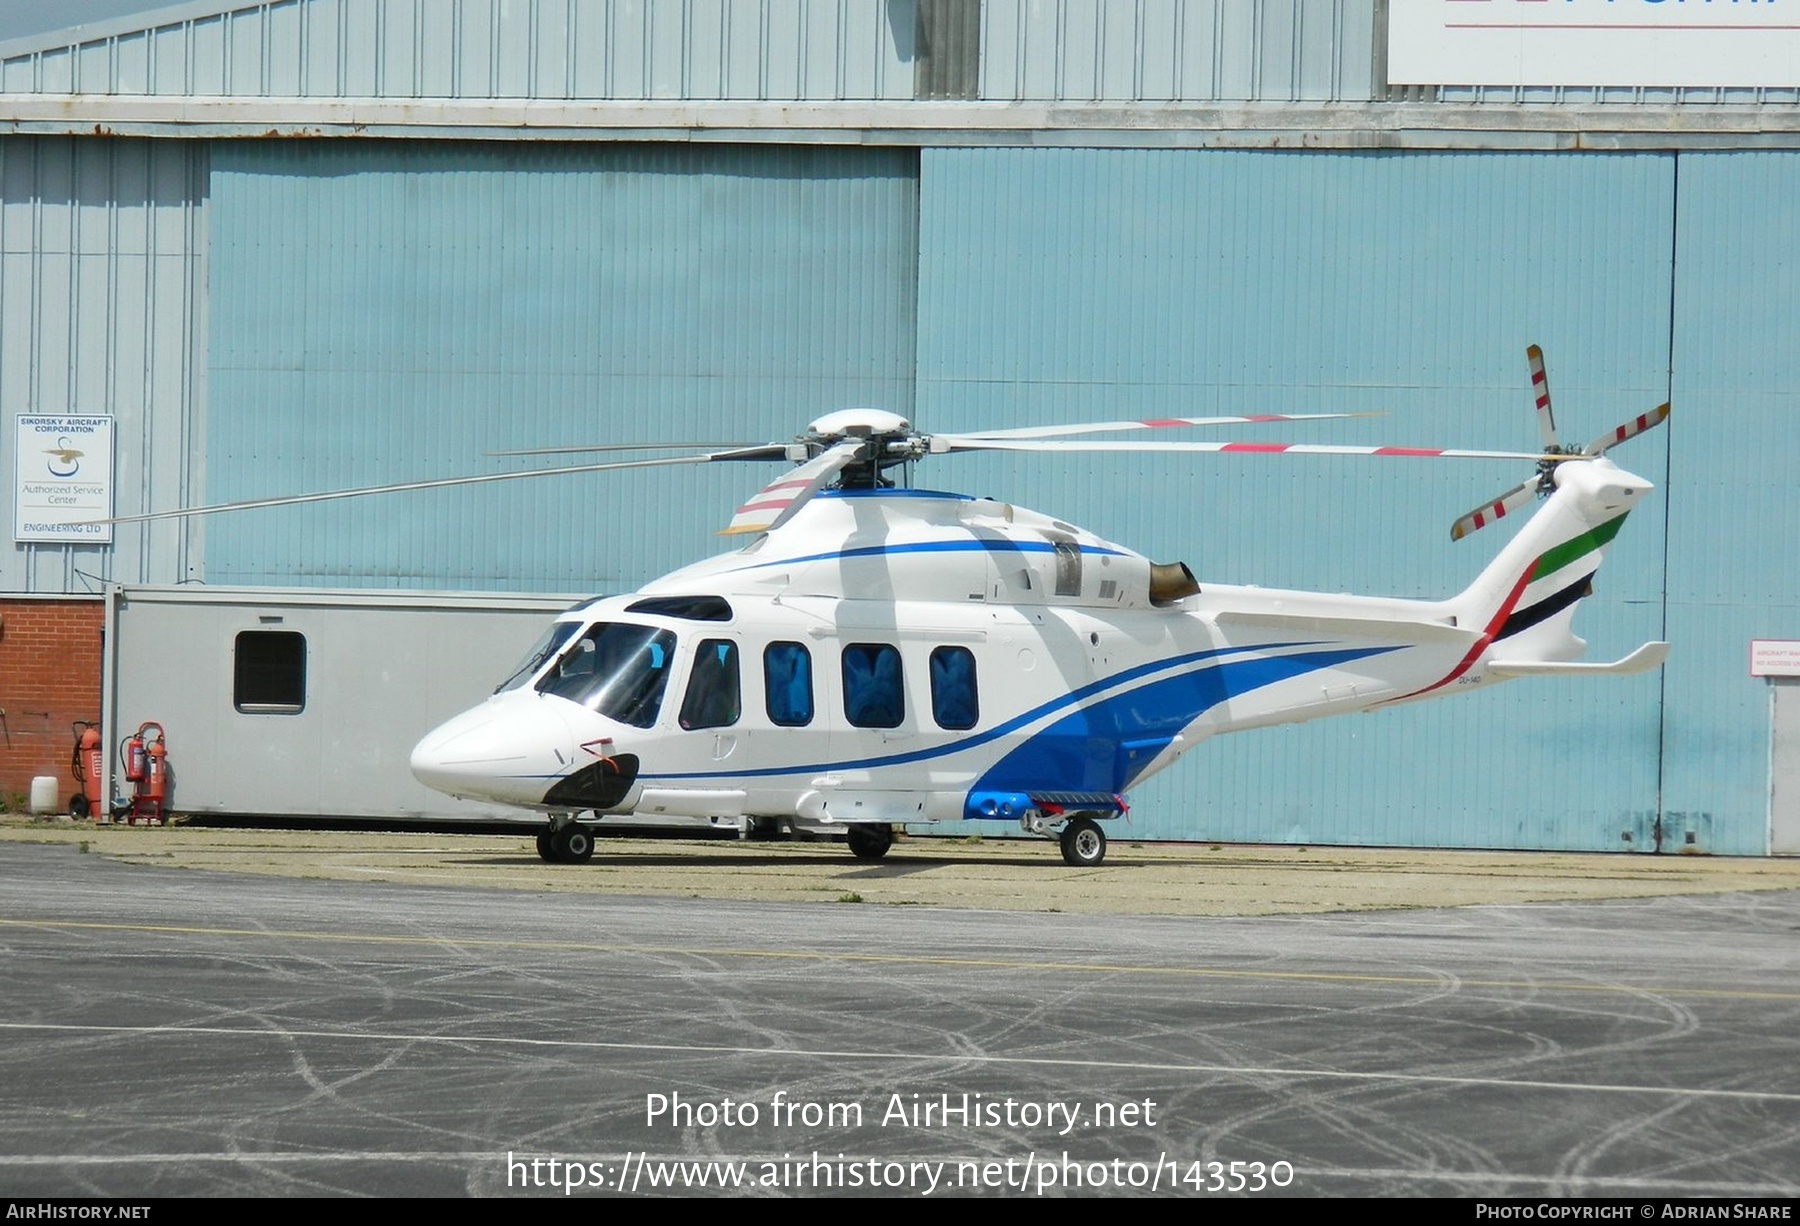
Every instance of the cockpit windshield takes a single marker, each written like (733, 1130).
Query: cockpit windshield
(616, 669)
(549, 644)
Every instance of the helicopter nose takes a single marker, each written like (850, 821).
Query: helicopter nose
(503, 750)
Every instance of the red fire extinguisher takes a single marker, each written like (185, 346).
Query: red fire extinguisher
(147, 768)
(87, 766)
(134, 756)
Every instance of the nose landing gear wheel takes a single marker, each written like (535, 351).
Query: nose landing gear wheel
(869, 842)
(573, 844)
(546, 846)
(1083, 843)
(577, 845)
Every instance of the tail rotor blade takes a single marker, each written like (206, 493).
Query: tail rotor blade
(1488, 512)
(1631, 429)
(1540, 392)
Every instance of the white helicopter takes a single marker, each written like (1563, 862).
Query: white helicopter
(879, 656)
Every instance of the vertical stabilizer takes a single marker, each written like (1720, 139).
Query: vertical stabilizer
(1526, 598)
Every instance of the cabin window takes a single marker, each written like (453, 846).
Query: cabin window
(712, 699)
(616, 669)
(953, 701)
(268, 672)
(873, 696)
(787, 684)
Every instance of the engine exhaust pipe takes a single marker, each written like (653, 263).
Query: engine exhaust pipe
(1171, 581)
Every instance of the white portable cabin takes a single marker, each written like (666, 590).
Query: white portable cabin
(306, 702)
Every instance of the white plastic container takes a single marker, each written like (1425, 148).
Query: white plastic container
(44, 794)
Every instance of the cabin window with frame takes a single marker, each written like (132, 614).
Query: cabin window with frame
(787, 684)
(268, 672)
(874, 693)
(954, 703)
(713, 698)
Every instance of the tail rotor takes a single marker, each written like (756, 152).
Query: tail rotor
(1543, 483)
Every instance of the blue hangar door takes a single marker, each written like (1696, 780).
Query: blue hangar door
(392, 311)
(1072, 284)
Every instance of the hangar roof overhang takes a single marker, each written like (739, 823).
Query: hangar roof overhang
(1261, 125)
(110, 81)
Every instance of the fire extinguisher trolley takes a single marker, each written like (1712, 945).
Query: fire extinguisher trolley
(147, 769)
(88, 766)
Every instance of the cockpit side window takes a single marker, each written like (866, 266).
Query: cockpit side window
(713, 697)
(549, 644)
(616, 669)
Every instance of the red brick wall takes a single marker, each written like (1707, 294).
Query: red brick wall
(49, 677)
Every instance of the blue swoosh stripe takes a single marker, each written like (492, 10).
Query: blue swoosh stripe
(1109, 745)
(1073, 697)
(979, 546)
(1244, 676)
(941, 495)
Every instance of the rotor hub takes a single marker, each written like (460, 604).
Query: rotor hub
(888, 440)
(858, 423)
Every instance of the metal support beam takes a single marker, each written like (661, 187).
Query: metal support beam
(1401, 125)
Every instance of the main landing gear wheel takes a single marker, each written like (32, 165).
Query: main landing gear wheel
(869, 842)
(546, 846)
(573, 844)
(1083, 843)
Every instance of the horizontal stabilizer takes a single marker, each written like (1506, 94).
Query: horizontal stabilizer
(1644, 659)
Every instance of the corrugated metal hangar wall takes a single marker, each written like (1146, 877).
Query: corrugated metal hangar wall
(270, 316)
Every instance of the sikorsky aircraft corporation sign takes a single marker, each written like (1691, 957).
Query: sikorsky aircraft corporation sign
(63, 476)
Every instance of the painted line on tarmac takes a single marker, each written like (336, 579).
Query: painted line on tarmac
(800, 955)
(957, 1058)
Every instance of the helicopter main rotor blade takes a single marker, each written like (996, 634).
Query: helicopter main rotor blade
(591, 447)
(1631, 429)
(775, 503)
(1052, 445)
(749, 453)
(1154, 423)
